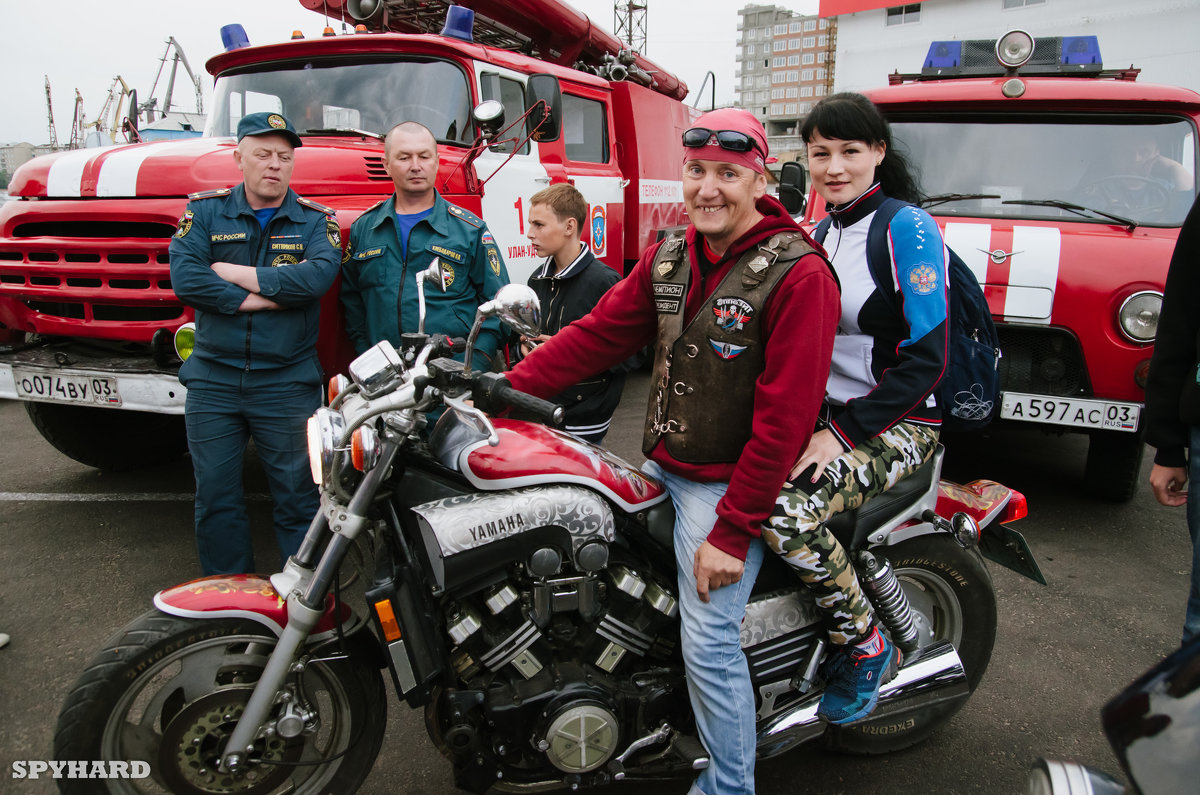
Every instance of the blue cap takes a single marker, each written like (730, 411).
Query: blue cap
(262, 123)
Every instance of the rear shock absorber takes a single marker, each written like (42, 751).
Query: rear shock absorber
(883, 589)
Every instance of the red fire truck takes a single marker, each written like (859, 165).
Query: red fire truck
(1063, 185)
(85, 295)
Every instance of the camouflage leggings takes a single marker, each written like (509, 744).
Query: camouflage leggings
(796, 527)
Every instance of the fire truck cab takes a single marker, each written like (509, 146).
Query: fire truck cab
(1063, 186)
(85, 294)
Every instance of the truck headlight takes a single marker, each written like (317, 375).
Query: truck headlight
(1138, 317)
(325, 428)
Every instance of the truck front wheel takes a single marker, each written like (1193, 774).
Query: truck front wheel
(110, 439)
(1114, 464)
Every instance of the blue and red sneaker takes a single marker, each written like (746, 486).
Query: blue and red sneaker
(853, 676)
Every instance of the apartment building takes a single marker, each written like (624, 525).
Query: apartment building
(785, 64)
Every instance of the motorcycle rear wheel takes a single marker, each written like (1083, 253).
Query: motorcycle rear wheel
(167, 691)
(953, 599)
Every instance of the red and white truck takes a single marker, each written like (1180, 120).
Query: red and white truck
(1063, 186)
(86, 306)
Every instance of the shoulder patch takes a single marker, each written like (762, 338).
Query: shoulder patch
(463, 215)
(209, 194)
(321, 208)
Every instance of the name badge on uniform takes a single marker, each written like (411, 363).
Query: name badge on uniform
(668, 298)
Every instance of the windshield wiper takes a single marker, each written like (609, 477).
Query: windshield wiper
(943, 198)
(1078, 209)
(338, 130)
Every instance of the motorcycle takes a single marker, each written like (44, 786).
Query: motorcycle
(519, 586)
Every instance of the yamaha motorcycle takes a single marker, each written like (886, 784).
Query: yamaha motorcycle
(519, 586)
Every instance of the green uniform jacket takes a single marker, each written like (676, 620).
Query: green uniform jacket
(296, 258)
(379, 290)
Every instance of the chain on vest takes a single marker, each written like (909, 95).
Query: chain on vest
(702, 393)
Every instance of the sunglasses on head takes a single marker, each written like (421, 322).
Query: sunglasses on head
(732, 140)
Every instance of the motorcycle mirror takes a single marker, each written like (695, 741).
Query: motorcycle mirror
(516, 305)
(436, 274)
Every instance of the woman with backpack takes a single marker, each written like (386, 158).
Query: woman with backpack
(880, 421)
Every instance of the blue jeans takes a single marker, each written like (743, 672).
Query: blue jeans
(1191, 620)
(718, 675)
(220, 418)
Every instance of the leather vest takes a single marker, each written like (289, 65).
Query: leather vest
(704, 377)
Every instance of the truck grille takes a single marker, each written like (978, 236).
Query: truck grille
(97, 277)
(1042, 361)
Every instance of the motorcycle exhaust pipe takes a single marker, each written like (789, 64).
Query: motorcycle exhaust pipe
(929, 676)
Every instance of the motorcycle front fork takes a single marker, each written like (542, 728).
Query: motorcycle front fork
(305, 583)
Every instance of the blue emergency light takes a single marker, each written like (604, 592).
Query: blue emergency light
(1016, 52)
(234, 37)
(1080, 50)
(460, 23)
(943, 55)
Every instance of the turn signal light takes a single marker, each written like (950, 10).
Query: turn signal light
(297, 35)
(337, 385)
(1141, 373)
(364, 448)
(387, 620)
(360, 28)
(328, 31)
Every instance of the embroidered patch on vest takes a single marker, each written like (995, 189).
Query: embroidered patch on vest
(923, 279)
(493, 259)
(732, 313)
(227, 237)
(726, 350)
(333, 232)
(668, 298)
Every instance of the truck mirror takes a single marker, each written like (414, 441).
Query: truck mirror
(791, 187)
(544, 104)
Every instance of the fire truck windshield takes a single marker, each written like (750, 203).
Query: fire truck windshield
(1005, 166)
(325, 95)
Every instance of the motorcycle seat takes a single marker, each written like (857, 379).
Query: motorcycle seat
(852, 527)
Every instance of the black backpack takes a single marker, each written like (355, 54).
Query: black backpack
(970, 387)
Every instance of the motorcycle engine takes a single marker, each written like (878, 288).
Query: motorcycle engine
(561, 665)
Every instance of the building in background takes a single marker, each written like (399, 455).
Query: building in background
(785, 64)
(12, 156)
(877, 38)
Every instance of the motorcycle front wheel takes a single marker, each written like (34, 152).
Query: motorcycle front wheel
(953, 599)
(167, 691)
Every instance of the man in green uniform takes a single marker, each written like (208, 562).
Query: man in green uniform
(396, 239)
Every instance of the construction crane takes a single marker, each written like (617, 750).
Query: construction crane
(114, 101)
(78, 123)
(150, 106)
(50, 116)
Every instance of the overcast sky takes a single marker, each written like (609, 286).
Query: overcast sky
(84, 44)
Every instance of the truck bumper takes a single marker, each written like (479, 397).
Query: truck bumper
(65, 376)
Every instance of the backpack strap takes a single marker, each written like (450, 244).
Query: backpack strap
(822, 231)
(878, 259)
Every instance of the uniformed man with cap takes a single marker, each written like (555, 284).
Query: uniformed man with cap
(253, 261)
(397, 238)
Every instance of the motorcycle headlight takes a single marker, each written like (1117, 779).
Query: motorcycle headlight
(325, 428)
(1138, 317)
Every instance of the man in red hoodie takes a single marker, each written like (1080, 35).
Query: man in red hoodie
(741, 312)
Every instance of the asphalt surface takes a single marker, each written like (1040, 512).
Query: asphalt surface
(82, 552)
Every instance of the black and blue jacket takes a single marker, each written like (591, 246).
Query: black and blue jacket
(886, 365)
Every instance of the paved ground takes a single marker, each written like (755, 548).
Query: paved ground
(82, 553)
